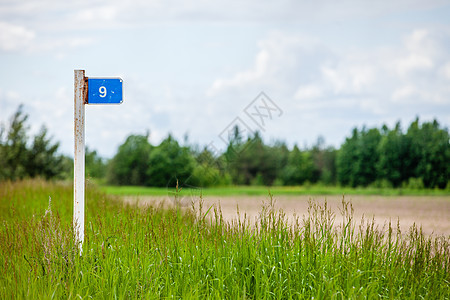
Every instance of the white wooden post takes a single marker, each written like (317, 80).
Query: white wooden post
(79, 173)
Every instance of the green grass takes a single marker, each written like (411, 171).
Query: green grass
(154, 253)
(276, 190)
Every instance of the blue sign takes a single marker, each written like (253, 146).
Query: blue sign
(105, 91)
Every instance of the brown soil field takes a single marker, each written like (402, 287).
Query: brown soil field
(430, 212)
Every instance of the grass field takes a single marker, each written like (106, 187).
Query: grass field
(262, 191)
(155, 252)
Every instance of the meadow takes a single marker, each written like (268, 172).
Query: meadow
(192, 253)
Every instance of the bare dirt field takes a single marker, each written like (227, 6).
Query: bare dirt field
(430, 212)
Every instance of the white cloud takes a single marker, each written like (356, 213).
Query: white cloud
(244, 78)
(104, 13)
(280, 56)
(333, 77)
(9, 102)
(62, 44)
(420, 53)
(151, 11)
(445, 71)
(412, 63)
(15, 37)
(289, 60)
(417, 55)
(367, 83)
(404, 93)
(308, 92)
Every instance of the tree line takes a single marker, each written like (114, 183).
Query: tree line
(25, 156)
(418, 157)
(20, 159)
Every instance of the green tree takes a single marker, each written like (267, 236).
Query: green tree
(358, 157)
(18, 159)
(43, 159)
(430, 150)
(299, 168)
(368, 156)
(170, 162)
(209, 171)
(324, 163)
(13, 150)
(346, 158)
(253, 162)
(236, 158)
(277, 156)
(95, 165)
(131, 163)
(395, 162)
(67, 168)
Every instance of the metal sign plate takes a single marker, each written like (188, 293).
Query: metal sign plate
(105, 91)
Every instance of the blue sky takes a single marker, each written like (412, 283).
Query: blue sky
(194, 66)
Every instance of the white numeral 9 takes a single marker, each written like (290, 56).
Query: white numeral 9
(102, 91)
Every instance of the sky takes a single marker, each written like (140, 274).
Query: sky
(291, 70)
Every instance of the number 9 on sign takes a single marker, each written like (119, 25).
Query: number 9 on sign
(102, 91)
(105, 91)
